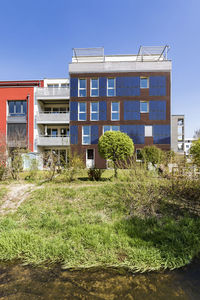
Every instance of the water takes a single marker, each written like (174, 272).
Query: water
(25, 282)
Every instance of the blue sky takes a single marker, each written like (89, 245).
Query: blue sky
(37, 37)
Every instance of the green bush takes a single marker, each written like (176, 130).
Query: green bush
(95, 174)
(115, 145)
(152, 154)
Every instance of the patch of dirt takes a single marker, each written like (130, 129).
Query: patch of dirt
(16, 195)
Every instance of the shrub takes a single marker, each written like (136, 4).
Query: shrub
(115, 145)
(152, 154)
(74, 166)
(95, 174)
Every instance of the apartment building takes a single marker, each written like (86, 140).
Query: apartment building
(178, 133)
(17, 113)
(51, 115)
(130, 93)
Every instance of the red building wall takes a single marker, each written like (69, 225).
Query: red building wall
(18, 91)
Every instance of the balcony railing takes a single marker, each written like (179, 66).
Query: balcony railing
(53, 141)
(49, 118)
(52, 92)
(16, 119)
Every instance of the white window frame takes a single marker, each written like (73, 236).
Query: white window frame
(114, 111)
(148, 130)
(84, 135)
(111, 128)
(91, 112)
(109, 88)
(144, 77)
(81, 112)
(82, 89)
(144, 112)
(91, 88)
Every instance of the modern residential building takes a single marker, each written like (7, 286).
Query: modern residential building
(130, 93)
(51, 115)
(17, 112)
(178, 133)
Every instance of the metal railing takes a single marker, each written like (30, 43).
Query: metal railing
(53, 141)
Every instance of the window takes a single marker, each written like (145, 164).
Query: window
(138, 155)
(82, 88)
(82, 111)
(54, 132)
(86, 135)
(110, 87)
(144, 82)
(17, 108)
(110, 128)
(64, 85)
(94, 111)
(144, 107)
(55, 85)
(115, 111)
(148, 132)
(94, 87)
(63, 132)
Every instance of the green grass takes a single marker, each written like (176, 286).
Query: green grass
(88, 225)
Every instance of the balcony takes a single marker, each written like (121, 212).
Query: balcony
(17, 119)
(53, 141)
(55, 93)
(53, 118)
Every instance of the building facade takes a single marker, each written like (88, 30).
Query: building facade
(130, 93)
(178, 133)
(51, 115)
(17, 113)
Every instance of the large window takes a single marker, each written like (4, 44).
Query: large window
(94, 111)
(16, 132)
(110, 128)
(82, 88)
(94, 87)
(144, 107)
(115, 111)
(144, 82)
(82, 111)
(110, 87)
(17, 108)
(86, 135)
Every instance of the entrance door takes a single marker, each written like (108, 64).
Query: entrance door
(90, 158)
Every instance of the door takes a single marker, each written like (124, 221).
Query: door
(90, 158)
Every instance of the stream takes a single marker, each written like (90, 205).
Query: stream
(26, 282)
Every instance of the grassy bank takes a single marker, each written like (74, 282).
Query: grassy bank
(87, 224)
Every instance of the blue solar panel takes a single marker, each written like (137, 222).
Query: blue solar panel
(73, 87)
(161, 134)
(74, 134)
(94, 134)
(73, 111)
(157, 86)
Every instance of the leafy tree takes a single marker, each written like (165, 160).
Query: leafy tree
(152, 154)
(195, 152)
(115, 145)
